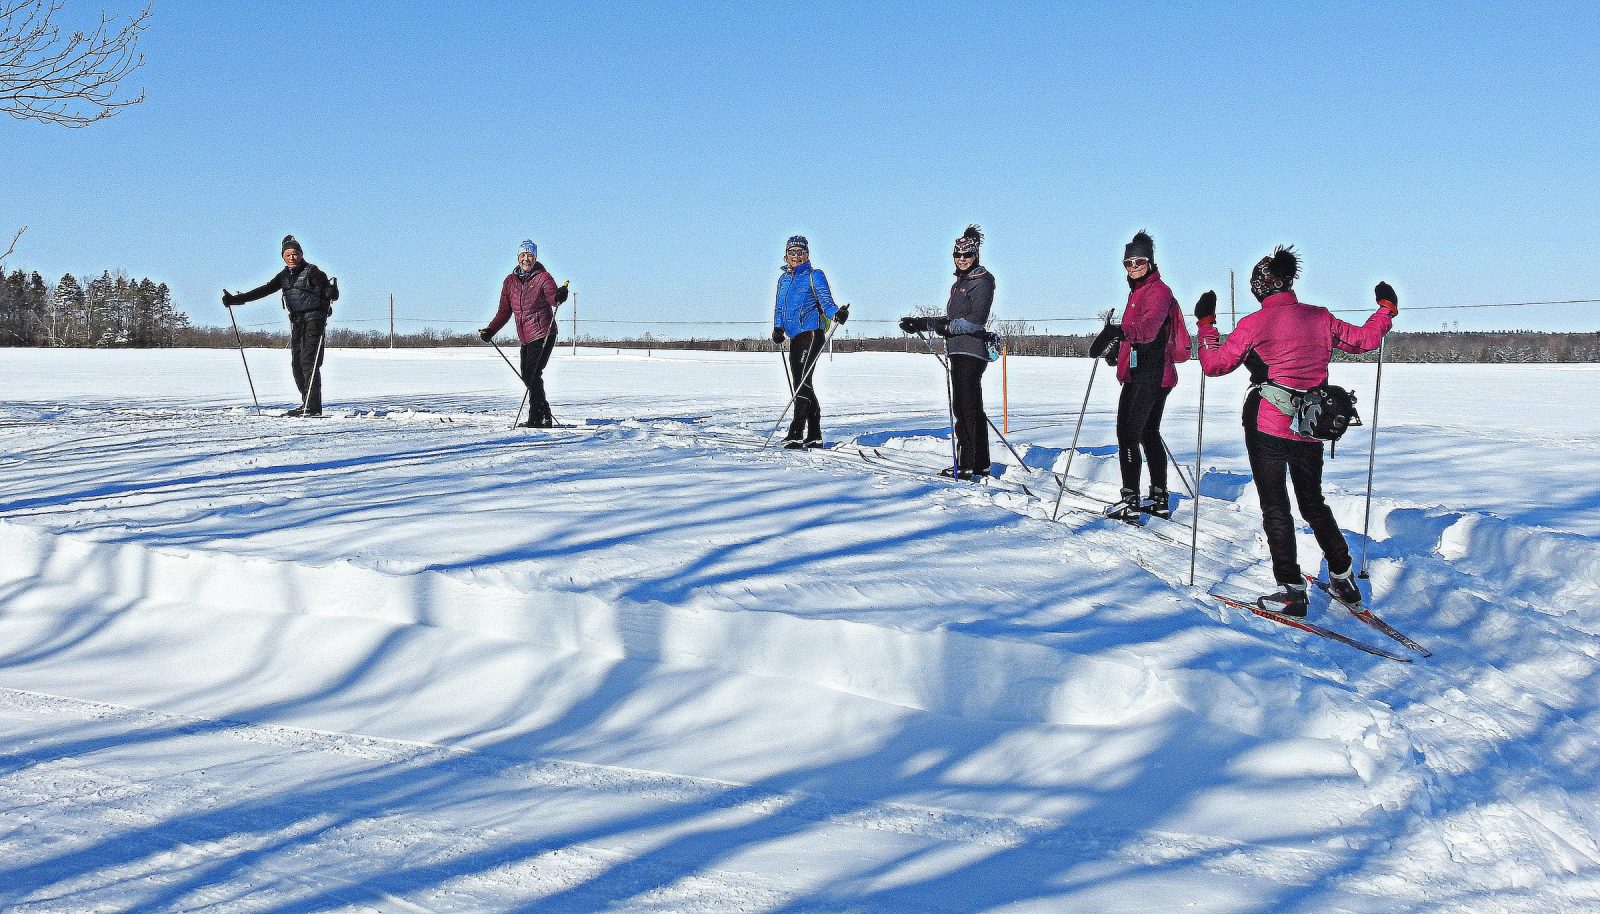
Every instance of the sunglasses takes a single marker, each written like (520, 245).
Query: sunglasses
(793, 252)
(1132, 262)
(960, 256)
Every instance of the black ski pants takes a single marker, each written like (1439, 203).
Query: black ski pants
(535, 356)
(1270, 458)
(804, 351)
(966, 401)
(306, 351)
(1139, 433)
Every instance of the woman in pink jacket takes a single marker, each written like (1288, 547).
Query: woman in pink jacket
(1153, 339)
(531, 294)
(1290, 343)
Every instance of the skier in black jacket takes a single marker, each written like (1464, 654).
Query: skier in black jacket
(308, 296)
(966, 345)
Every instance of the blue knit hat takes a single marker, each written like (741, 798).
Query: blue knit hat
(530, 247)
(798, 241)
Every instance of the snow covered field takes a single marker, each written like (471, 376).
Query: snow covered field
(408, 659)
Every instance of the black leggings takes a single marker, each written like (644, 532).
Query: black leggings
(972, 433)
(1270, 456)
(804, 350)
(1139, 428)
(535, 356)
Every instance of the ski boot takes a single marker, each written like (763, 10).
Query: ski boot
(294, 413)
(1343, 589)
(1125, 509)
(1157, 504)
(953, 473)
(1291, 601)
(810, 443)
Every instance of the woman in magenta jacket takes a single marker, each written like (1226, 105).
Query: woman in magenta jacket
(531, 294)
(1290, 343)
(1153, 339)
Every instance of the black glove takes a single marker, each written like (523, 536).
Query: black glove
(914, 324)
(1384, 292)
(777, 336)
(561, 294)
(940, 325)
(1206, 306)
(485, 335)
(229, 299)
(1109, 337)
(841, 315)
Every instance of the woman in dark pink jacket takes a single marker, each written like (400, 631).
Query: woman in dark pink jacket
(1153, 339)
(531, 294)
(1290, 343)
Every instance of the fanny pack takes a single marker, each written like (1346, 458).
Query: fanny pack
(1324, 412)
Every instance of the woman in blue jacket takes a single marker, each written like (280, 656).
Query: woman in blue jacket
(801, 314)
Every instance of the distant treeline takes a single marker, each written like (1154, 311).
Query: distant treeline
(116, 310)
(1440, 346)
(112, 310)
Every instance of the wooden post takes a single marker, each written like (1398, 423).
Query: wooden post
(1005, 394)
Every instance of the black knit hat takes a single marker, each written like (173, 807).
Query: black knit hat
(1142, 245)
(290, 244)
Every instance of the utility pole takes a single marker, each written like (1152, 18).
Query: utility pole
(1233, 307)
(391, 320)
(574, 323)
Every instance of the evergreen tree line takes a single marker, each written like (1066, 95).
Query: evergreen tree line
(113, 310)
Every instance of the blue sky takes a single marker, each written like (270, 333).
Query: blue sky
(661, 153)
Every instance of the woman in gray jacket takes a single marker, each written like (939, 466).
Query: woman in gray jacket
(963, 327)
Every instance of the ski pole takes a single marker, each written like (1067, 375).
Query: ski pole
(314, 377)
(788, 375)
(1179, 467)
(992, 427)
(950, 404)
(525, 391)
(1199, 449)
(1073, 450)
(811, 365)
(1372, 460)
(240, 342)
(517, 419)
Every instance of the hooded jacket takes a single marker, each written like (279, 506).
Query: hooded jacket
(1294, 341)
(798, 308)
(532, 300)
(1152, 326)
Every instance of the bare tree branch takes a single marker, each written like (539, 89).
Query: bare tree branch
(13, 246)
(71, 81)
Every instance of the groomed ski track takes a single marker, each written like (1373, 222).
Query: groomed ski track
(417, 661)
